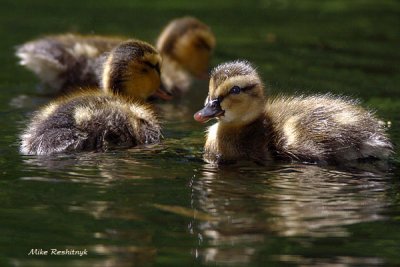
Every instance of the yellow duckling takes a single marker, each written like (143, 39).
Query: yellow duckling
(318, 128)
(186, 45)
(100, 120)
(68, 61)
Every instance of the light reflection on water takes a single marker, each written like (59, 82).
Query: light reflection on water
(233, 210)
(286, 201)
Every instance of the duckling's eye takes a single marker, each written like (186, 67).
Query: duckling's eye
(235, 90)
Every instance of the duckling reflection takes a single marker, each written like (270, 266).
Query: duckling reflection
(101, 120)
(253, 205)
(67, 61)
(92, 168)
(105, 168)
(318, 128)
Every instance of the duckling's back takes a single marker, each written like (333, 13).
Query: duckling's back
(90, 122)
(63, 62)
(326, 128)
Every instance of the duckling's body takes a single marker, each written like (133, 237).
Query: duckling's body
(91, 121)
(319, 128)
(325, 128)
(66, 62)
(100, 120)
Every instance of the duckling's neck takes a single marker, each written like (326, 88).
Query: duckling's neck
(228, 142)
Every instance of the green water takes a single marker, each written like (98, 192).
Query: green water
(163, 206)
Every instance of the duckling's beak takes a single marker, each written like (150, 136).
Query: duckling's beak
(162, 93)
(211, 110)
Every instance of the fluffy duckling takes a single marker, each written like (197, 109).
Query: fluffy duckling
(318, 128)
(68, 61)
(186, 45)
(100, 120)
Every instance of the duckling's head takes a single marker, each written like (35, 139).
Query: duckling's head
(132, 69)
(189, 42)
(236, 95)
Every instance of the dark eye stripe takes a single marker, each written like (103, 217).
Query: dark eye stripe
(237, 90)
(221, 97)
(249, 87)
(156, 66)
(202, 43)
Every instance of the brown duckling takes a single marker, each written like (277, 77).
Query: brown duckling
(186, 45)
(68, 61)
(99, 120)
(317, 128)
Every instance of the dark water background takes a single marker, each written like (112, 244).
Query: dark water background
(163, 206)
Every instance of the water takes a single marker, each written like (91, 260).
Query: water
(162, 205)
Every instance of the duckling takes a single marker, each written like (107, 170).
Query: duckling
(100, 120)
(316, 128)
(186, 45)
(68, 61)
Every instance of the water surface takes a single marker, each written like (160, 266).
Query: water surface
(162, 205)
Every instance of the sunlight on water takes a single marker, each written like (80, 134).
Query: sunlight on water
(289, 201)
(162, 205)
